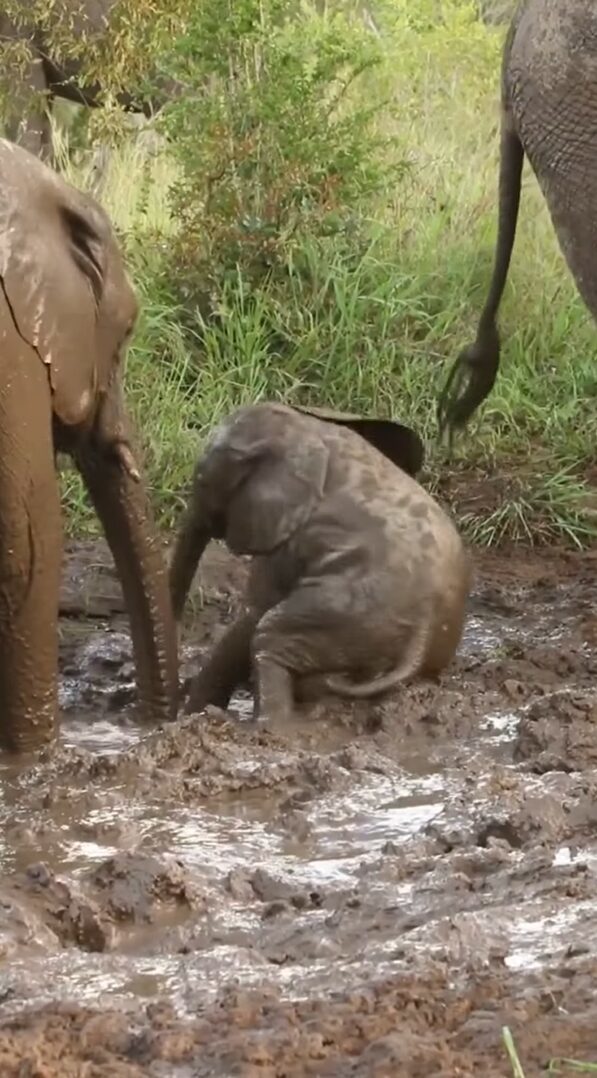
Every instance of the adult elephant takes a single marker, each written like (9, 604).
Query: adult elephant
(549, 112)
(43, 77)
(67, 310)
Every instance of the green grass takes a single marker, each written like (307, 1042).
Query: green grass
(510, 1047)
(555, 1066)
(571, 1066)
(373, 328)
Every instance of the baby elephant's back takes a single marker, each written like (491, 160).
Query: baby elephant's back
(406, 511)
(439, 566)
(426, 552)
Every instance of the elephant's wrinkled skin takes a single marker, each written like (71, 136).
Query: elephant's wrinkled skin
(357, 572)
(67, 310)
(45, 77)
(549, 112)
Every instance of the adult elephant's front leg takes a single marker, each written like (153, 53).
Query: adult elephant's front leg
(30, 545)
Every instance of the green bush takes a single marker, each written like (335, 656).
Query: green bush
(273, 139)
(118, 54)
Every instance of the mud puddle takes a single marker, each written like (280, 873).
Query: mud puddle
(375, 891)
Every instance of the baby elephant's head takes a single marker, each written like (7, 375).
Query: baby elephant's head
(261, 475)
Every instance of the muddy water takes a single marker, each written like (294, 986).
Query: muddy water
(376, 890)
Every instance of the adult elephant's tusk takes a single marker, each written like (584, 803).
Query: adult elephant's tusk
(127, 459)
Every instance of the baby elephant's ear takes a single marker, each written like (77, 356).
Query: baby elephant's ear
(278, 496)
(398, 443)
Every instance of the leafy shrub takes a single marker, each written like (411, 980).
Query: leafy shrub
(272, 140)
(119, 54)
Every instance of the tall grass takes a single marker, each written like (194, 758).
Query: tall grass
(371, 326)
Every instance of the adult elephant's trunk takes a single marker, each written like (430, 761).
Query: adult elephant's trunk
(123, 507)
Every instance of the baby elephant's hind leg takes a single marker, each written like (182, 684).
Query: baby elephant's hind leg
(273, 690)
(304, 634)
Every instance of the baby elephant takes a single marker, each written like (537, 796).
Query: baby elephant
(359, 580)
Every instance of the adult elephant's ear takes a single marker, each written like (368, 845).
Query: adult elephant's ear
(398, 443)
(86, 248)
(53, 243)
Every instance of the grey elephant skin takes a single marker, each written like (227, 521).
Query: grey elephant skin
(549, 113)
(359, 580)
(45, 77)
(67, 311)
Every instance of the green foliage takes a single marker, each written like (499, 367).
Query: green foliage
(273, 140)
(113, 46)
(114, 41)
(360, 299)
(450, 35)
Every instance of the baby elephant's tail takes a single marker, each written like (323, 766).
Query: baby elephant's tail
(409, 665)
(363, 689)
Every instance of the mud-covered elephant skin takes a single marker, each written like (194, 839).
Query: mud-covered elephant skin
(35, 84)
(549, 113)
(358, 579)
(67, 310)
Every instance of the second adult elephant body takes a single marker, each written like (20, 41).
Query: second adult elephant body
(358, 576)
(46, 76)
(549, 113)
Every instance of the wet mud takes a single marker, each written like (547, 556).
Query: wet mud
(376, 890)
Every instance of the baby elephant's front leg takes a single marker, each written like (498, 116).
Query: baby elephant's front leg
(227, 667)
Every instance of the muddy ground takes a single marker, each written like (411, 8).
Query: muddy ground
(376, 891)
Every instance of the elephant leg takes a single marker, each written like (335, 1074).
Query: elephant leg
(274, 701)
(228, 665)
(30, 546)
(46, 148)
(312, 632)
(30, 133)
(29, 124)
(278, 652)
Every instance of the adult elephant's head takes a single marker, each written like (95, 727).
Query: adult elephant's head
(67, 311)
